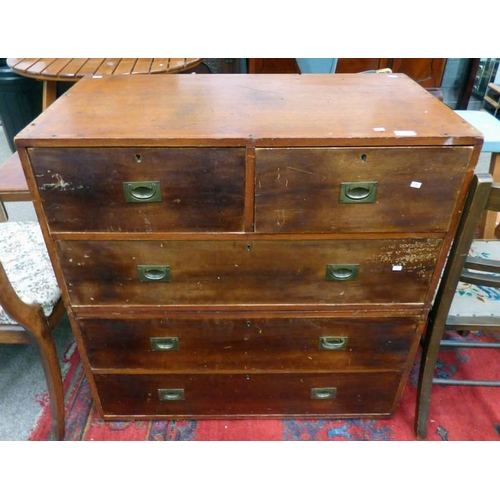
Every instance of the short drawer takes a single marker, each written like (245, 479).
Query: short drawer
(141, 189)
(211, 344)
(197, 273)
(179, 396)
(357, 190)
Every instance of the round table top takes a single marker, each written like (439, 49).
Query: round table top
(72, 69)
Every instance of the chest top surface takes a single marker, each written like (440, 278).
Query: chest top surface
(248, 110)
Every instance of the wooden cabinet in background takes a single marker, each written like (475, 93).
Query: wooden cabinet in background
(273, 65)
(426, 72)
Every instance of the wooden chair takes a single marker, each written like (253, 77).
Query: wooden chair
(471, 263)
(30, 304)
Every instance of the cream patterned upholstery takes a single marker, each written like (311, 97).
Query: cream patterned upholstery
(473, 300)
(24, 257)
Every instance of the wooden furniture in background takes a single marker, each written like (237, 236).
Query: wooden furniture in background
(247, 245)
(273, 65)
(472, 262)
(467, 83)
(51, 71)
(13, 185)
(490, 128)
(428, 72)
(492, 99)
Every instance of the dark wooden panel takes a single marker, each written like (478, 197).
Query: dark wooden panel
(273, 65)
(13, 185)
(297, 190)
(247, 395)
(258, 344)
(428, 72)
(357, 65)
(248, 273)
(82, 189)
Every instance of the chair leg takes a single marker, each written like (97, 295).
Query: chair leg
(50, 362)
(430, 353)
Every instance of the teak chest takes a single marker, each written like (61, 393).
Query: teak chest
(248, 245)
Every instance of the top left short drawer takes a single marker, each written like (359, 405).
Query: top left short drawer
(141, 189)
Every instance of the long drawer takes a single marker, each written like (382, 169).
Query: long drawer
(248, 272)
(208, 344)
(141, 189)
(180, 396)
(357, 190)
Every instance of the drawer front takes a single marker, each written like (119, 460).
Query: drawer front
(346, 190)
(254, 344)
(241, 272)
(247, 395)
(141, 189)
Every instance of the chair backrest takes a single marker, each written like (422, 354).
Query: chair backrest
(483, 195)
(481, 264)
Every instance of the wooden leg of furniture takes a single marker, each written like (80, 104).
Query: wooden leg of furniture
(42, 338)
(48, 355)
(49, 93)
(430, 351)
(488, 229)
(3, 212)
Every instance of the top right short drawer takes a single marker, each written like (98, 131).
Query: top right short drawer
(357, 190)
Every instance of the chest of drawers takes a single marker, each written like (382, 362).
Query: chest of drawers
(248, 245)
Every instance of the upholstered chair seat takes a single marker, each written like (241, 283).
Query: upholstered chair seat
(26, 262)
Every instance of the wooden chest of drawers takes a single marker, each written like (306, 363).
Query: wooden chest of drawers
(248, 245)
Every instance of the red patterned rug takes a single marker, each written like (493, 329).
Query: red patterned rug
(456, 414)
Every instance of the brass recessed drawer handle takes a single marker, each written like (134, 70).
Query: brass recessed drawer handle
(171, 394)
(332, 343)
(142, 192)
(154, 274)
(164, 343)
(342, 272)
(323, 392)
(358, 192)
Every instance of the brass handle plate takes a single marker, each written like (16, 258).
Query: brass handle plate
(164, 343)
(332, 343)
(142, 192)
(342, 272)
(323, 392)
(171, 394)
(154, 274)
(358, 192)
